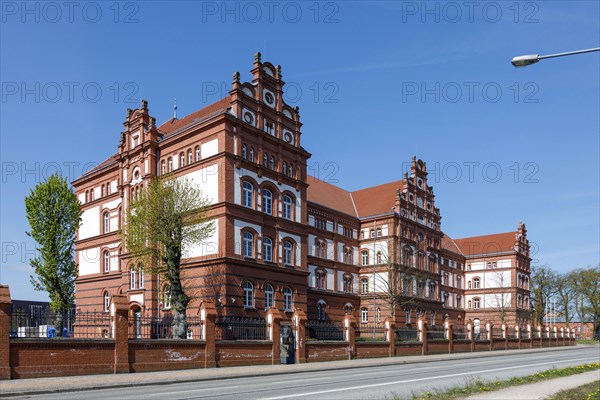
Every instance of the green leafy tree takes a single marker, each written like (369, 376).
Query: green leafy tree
(54, 215)
(587, 284)
(565, 296)
(164, 220)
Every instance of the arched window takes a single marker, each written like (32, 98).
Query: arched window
(87, 196)
(348, 309)
(288, 248)
(288, 300)
(132, 277)
(321, 313)
(244, 151)
(432, 318)
(365, 257)
(106, 222)
(378, 257)
(251, 157)
(476, 302)
(248, 294)
(190, 157)
(459, 320)
(469, 285)
(364, 315)
(272, 163)
(92, 194)
(378, 314)
(102, 191)
(476, 283)
(141, 278)
(364, 283)
(163, 167)
(469, 304)
(267, 249)
(407, 315)
(347, 284)
(269, 296)
(267, 202)
(106, 301)
(291, 171)
(287, 207)
(284, 168)
(169, 164)
(248, 245)
(108, 188)
(265, 160)
(248, 194)
(181, 160)
(166, 296)
(197, 153)
(320, 280)
(106, 260)
(420, 261)
(407, 257)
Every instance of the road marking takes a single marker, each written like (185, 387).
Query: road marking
(420, 379)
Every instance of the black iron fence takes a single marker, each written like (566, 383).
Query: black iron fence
(165, 327)
(406, 333)
(236, 328)
(324, 330)
(460, 332)
(480, 333)
(524, 333)
(369, 332)
(51, 324)
(511, 332)
(497, 332)
(435, 332)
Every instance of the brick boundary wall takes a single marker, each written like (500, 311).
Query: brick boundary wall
(41, 357)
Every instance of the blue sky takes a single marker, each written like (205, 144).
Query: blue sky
(376, 83)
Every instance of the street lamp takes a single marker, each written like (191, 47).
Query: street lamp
(523, 61)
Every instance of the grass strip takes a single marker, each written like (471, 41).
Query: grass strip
(591, 391)
(475, 386)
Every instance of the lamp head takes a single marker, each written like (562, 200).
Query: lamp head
(523, 61)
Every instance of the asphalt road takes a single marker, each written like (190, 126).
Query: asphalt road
(358, 383)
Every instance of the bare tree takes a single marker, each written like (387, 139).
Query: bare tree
(565, 294)
(502, 299)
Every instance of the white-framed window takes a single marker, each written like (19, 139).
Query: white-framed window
(170, 164)
(284, 168)
(197, 153)
(248, 294)
(364, 315)
(407, 315)
(269, 296)
(288, 299)
(378, 257)
(364, 283)
(267, 249)
(272, 163)
(288, 252)
(291, 171)
(106, 260)
(132, 278)
(348, 309)
(320, 279)
(181, 160)
(364, 257)
(476, 283)
(166, 297)
(106, 301)
(265, 160)
(244, 151)
(141, 278)
(267, 202)
(287, 206)
(163, 167)
(248, 245)
(106, 222)
(248, 194)
(476, 303)
(190, 158)
(347, 284)
(251, 155)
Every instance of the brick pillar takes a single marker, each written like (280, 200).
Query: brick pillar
(350, 334)
(518, 333)
(208, 315)
(489, 326)
(5, 332)
(529, 335)
(119, 311)
(390, 327)
(555, 329)
(300, 334)
(471, 334)
(422, 324)
(505, 336)
(562, 336)
(274, 318)
(449, 325)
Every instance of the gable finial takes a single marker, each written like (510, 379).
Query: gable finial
(175, 109)
(257, 56)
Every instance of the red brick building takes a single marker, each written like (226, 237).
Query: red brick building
(283, 238)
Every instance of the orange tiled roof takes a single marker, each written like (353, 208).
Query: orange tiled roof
(487, 244)
(448, 244)
(106, 163)
(330, 196)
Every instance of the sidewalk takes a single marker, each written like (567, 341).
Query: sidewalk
(76, 383)
(539, 390)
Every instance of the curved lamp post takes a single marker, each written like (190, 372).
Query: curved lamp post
(523, 61)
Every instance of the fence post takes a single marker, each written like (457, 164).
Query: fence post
(5, 332)
(274, 318)
(119, 310)
(518, 333)
(489, 326)
(350, 335)
(422, 324)
(562, 336)
(505, 336)
(448, 325)
(471, 334)
(529, 336)
(300, 334)
(208, 315)
(390, 326)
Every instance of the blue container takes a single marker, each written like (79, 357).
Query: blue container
(65, 332)
(51, 332)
